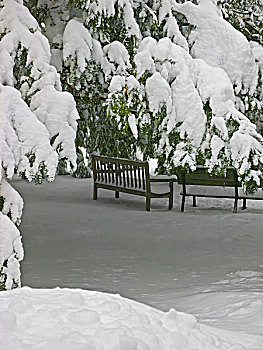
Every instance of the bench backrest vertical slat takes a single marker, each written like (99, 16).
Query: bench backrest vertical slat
(130, 166)
(143, 178)
(117, 172)
(127, 174)
(101, 172)
(123, 174)
(111, 173)
(139, 176)
(135, 176)
(105, 173)
(120, 179)
(99, 168)
(108, 172)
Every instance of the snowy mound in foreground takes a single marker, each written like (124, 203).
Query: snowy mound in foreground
(76, 319)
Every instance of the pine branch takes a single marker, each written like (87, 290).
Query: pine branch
(179, 13)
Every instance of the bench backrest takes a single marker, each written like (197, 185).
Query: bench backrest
(119, 172)
(201, 177)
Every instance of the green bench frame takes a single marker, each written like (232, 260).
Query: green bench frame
(201, 177)
(124, 175)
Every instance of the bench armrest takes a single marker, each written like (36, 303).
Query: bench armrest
(163, 179)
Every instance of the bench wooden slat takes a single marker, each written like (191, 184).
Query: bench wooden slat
(127, 175)
(130, 166)
(106, 172)
(143, 179)
(200, 177)
(98, 169)
(139, 177)
(134, 176)
(123, 175)
(109, 172)
(210, 182)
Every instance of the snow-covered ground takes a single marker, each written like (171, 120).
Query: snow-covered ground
(207, 262)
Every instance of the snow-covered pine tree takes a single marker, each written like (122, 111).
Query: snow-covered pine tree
(127, 68)
(193, 100)
(38, 124)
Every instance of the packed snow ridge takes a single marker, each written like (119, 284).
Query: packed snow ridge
(77, 319)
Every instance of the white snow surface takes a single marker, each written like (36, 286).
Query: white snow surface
(203, 268)
(77, 319)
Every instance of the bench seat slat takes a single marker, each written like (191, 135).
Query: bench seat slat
(121, 189)
(209, 195)
(210, 182)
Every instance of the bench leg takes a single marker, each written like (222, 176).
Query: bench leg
(194, 201)
(171, 196)
(236, 200)
(148, 203)
(244, 204)
(183, 202)
(183, 199)
(117, 194)
(235, 206)
(95, 192)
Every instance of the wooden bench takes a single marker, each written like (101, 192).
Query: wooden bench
(123, 175)
(201, 177)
